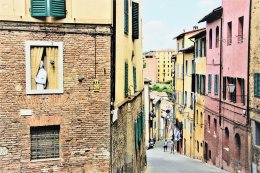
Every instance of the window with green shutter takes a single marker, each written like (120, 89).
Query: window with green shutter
(126, 17)
(126, 80)
(135, 86)
(257, 84)
(135, 20)
(209, 83)
(44, 8)
(39, 8)
(216, 84)
(57, 8)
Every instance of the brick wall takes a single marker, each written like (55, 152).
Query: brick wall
(126, 157)
(83, 116)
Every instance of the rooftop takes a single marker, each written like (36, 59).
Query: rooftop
(214, 15)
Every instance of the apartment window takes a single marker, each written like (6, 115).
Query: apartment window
(240, 29)
(226, 139)
(233, 96)
(257, 133)
(185, 98)
(229, 33)
(45, 142)
(241, 90)
(126, 17)
(215, 125)
(197, 115)
(183, 44)
(190, 128)
(216, 85)
(217, 37)
(209, 154)
(44, 67)
(209, 122)
(209, 83)
(135, 20)
(210, 39)
(224, 88)
(202, 84)
(237, 147)
(197, 83)
(196, 49)
(257, 84)
(201, 119)
(201, 48)
(198, 146)
(126, 80)
(186, 70)
(45, 8)
(191, 100)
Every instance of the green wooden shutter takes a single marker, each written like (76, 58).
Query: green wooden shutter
(135, 20)
(38, 8)
(126, 17)
(216, 84)
(126, 79)
(57, 8)
(257, 84)
(209, 83)
(135, 86)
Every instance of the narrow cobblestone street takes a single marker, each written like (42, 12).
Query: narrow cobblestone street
(165, 162)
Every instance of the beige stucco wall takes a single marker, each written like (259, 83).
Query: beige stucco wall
(128, 51)
(78, 11)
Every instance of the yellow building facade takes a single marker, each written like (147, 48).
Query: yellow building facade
(199, 78)
(184, 96)
(164, 62)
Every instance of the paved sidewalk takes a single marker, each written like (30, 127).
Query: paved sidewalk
(166, 162)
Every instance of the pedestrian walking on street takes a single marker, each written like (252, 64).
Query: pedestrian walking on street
(165, 145)
(172, 146)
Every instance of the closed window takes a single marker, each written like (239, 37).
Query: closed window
(216, 81)
(217, 37)
(134, 76)
(126, 79)
(229, 33)
(210, 39)
(257, 133)
(44, 67)
(45, 142)
(209, 83)
(240, 29)
(135, 20)
(44, 8)
(257, 84)
(126, 17)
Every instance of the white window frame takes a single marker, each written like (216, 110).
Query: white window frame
(28, 45)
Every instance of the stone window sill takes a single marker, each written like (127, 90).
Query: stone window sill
(45, 160)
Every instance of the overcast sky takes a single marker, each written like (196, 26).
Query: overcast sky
(165, 19)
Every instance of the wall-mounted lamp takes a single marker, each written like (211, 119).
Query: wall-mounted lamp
(81, 78)
(231, 88)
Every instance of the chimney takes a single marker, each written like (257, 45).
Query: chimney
(195, 27)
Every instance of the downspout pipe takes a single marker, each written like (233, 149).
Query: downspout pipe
(220, 91)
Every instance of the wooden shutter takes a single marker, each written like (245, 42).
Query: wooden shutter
(126, 79)
(57, 8)
(135, 20)
(126, 17)
(257, 84)
(38, 8)
(135, 86)
(209, 83)
(216, 84)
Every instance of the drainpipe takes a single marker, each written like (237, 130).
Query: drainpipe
(248, 92)
(220, 91)
(113, 81)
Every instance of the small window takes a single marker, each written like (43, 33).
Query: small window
(226, 139)
(186, 70)
(215, 125)
(210, 39)
(216, 85)
(257, 134)
(257, 84)
(209, 154)
(201, 120)
(45, 142)
(44, 67)
(237, 152)
(209, 83)
(197, 115)
(217, 37)
(229, 33)
(209, 122)
(240, 29)
(198, 146)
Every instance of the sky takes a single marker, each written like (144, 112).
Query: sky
(165, 19)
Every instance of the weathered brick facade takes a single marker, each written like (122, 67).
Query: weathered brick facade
(126, 157)
(83, 115)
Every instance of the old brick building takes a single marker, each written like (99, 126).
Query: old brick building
(57, 67)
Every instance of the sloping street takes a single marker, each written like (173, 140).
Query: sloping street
(166, 162)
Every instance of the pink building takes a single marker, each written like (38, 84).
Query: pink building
(150, 70)
(213, 140)
(235, 41)
(226, 110)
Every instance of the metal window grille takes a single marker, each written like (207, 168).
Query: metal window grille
(45, 142)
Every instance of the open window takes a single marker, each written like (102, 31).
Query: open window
(44, 67)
